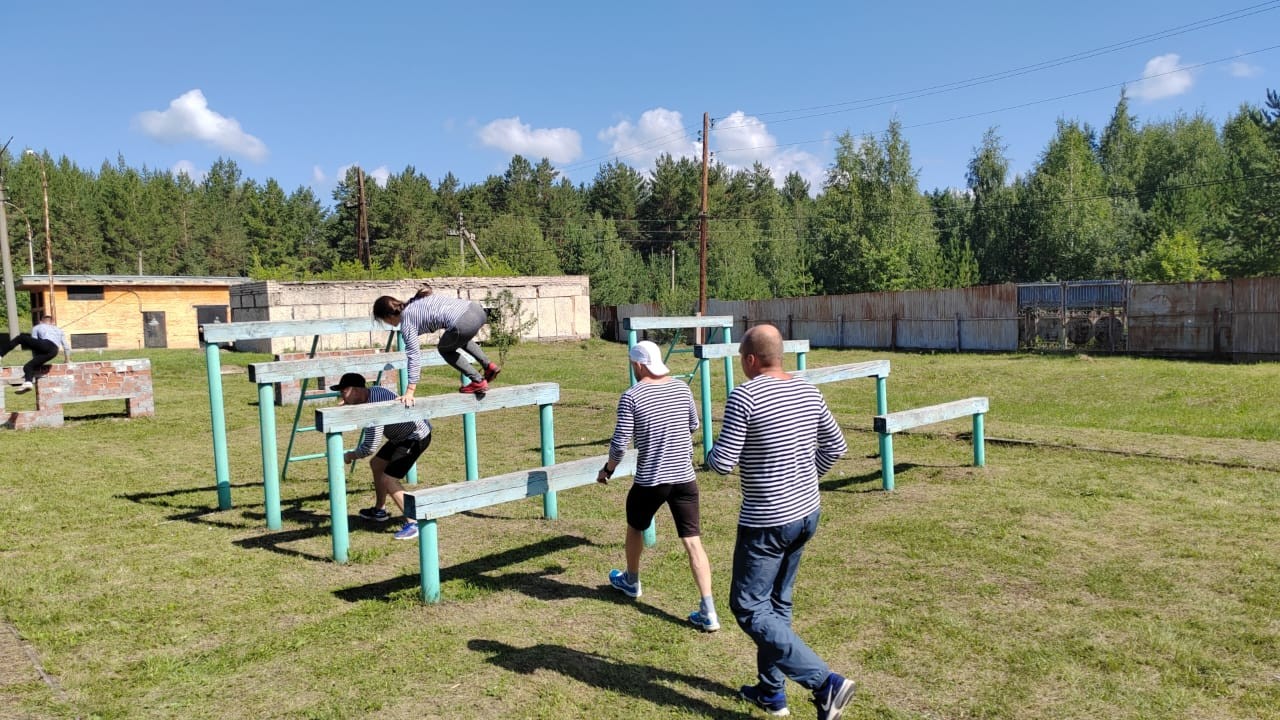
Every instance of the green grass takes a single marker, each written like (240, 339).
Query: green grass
(1120, 562)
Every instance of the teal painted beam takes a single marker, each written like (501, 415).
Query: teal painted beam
(728, 364)
(471, 453)
(850, 371)
(270, 466)
(429, 561)
(288, 370)
(547, 428)
(730, 350)
(344, 418)
(218, 421)
(704, 370)
(337, 496)
(800, 360)
(886, 461)
(907, 419)
(632, 339)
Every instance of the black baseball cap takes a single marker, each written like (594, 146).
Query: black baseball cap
(349, 380)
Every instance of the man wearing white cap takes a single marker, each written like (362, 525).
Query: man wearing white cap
(659, 415)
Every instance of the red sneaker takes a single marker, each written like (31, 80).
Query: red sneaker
(475, 388)
(491, 372)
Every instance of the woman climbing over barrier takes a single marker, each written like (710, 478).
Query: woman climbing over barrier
(425, 313)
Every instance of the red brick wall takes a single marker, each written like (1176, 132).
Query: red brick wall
(60, 384)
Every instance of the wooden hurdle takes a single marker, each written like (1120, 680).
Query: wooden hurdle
(334, 421)
(888, 424)
(729, 351)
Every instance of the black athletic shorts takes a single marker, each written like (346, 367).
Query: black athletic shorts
(401, 456)
(643, 502)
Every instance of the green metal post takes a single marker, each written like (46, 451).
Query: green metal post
(632, 338)
(337, 495)
(979, 441)
(270, 466)
(704, 369)
(546, 421)
(886, 440)
(429, 561)
(800, 361)
(412, 475)
(886, 461)
(213, 366)
(728, 366)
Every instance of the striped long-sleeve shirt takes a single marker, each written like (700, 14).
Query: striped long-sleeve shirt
(427, 315)
(660, 417)
(373, 435)
(783, 438)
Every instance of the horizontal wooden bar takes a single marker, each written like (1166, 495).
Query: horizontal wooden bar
(677, 323)
(262, 329)
(723, 350)
(353, 417)
(836, 373)
(907, 419)
(328, 366)
(444, 500)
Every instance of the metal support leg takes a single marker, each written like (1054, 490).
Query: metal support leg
(213, 366)
(270, 464)
(546, 421)
(337, 495)
(429, 561)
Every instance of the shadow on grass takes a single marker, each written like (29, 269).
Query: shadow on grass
(641, 681)
(840, 483)
(602, 443)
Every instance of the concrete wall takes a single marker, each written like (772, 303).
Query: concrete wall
(119, 313)
(59, 384)
(559, 307)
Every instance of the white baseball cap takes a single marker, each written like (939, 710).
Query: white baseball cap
(648, 355)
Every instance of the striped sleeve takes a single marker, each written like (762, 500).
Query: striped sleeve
(409, 328)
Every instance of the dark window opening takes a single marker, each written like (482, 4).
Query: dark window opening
(85, 292)
(88, 341)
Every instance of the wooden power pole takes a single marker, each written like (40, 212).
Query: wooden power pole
(362, 222)
(702, 217)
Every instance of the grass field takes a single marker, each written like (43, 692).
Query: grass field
(1117, 558)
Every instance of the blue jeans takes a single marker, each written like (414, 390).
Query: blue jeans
(765, 561)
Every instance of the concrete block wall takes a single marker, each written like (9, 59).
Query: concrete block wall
(288, 392)
(60, 384)
(559, 306)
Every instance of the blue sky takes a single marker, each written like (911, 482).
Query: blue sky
(300, 90)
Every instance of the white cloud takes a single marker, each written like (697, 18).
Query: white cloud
(560, 145)
(188, 168)
(740, 140)
(658, 131)
(1243, 70)
(189, 118)
(317, 174)
(1163, 77)
(380, 175)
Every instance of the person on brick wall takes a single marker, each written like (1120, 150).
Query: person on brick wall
(44, 342)
(426, 313)
(659, 415)
(405, 443)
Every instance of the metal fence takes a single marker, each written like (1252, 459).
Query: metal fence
(1232, 319)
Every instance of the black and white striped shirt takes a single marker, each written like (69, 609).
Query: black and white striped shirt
(373, 435)
(424, 316)
(783, 438)
(661, 417)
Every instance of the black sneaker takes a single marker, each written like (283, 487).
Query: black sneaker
(775, 704)
(831, 698)
(375, 514)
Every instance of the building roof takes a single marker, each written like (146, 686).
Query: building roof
(39, 282)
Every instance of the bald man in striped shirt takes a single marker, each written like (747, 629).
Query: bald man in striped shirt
(779, 432)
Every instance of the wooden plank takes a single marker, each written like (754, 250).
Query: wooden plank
(673, 323)
(442, 501)
(285, 370)
(263, 329)
(723, 350)
(353, 417)
(907, 419)
(836, 373)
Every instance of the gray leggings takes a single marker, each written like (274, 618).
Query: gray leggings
(462, 336)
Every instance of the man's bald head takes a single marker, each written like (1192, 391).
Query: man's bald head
(764, 342)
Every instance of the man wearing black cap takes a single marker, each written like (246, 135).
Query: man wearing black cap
(405, 442)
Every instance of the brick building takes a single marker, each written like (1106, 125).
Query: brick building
(125, 312)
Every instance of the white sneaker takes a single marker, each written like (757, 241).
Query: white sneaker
(25, 387)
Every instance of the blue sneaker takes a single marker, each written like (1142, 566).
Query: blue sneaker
(375, 514)
(408, 532)
(618, 579)
(831, 698)
(773, 703)
(704, 622)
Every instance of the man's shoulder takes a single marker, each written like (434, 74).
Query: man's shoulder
(378, 393)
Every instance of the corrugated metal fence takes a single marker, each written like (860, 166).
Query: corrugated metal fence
(1237, 319)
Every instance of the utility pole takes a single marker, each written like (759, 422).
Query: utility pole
(702, 220)
(362, 222)
(464, 234)
(10, 299)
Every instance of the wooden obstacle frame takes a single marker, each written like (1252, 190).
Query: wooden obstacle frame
(334, 421)
(889, 423)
